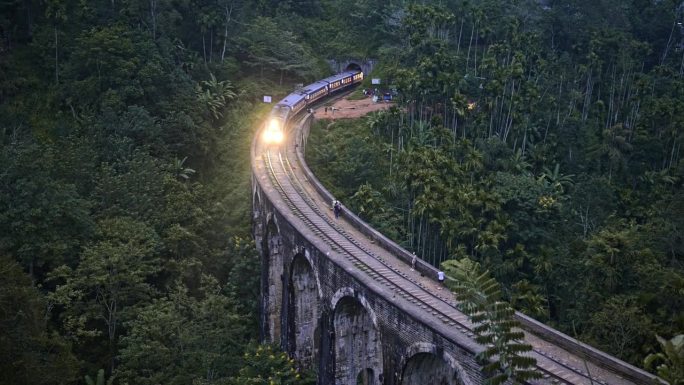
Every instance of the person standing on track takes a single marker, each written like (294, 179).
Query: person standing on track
(337, 208)
(440, 278)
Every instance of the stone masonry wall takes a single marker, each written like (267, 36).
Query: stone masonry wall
(337, 322)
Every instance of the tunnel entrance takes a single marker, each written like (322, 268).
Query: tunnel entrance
(353, 67)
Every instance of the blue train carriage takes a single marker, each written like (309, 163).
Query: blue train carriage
(315, 91)
(274, 132)
(357, 77)
(343, 80)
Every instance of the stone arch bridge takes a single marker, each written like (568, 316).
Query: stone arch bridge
(343, 300)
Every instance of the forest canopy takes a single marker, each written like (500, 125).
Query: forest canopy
(541, 139)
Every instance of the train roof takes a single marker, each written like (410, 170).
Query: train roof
(313, 87)
(340, 76)
(292, 99)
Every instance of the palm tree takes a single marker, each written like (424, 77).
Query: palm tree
(473, 160)
(216, 95)
(179, 170)
(555, 179)
(518, 163)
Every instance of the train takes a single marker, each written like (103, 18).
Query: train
(298, 101)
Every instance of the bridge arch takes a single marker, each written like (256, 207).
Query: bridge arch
(305, 299)
(349, 292)
(356, 340)
(425, 363)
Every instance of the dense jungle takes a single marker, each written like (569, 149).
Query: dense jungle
(540, 139)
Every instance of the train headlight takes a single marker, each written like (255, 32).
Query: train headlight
(274, 124)
(273, 132)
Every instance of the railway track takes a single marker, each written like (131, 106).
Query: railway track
(285, 180)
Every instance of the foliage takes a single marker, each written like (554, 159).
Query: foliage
(100, 379)
(124, 131)
(670, 362)
(34, 353)
(178, 338)
(269, 47)
(216, 95)
(541, 141)
(112, 275)
(264, 364)
(480, 298)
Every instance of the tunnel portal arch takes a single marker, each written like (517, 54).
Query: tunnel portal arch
(353, 67)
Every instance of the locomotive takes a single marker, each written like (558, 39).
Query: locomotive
(296, 102)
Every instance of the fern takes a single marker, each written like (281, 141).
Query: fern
(505, 356)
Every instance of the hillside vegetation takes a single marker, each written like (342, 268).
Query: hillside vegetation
(543, 142)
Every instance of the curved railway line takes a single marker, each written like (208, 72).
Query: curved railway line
(291, 189)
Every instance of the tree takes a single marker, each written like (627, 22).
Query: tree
(183, 338)
(44, 219)
(112, 275)
(621, 327)
(269, 47)
(480, 298)
(264, 364)
(215, 95)
(33, 353)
